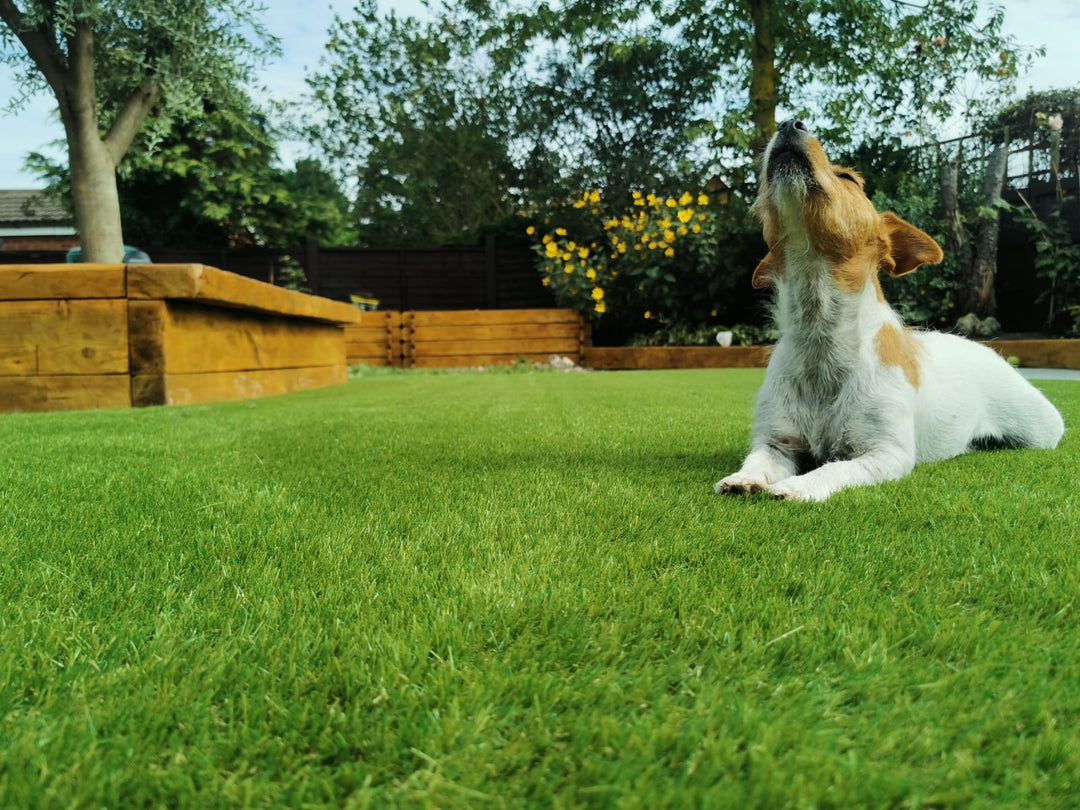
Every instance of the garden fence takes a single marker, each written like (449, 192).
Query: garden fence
(465, 338)
(496, 274)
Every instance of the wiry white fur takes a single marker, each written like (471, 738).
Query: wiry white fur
(831, 415)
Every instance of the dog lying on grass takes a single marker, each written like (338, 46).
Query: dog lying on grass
(851, 397)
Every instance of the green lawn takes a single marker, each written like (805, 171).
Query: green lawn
(462, 590)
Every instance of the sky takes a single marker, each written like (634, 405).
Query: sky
(302, 26)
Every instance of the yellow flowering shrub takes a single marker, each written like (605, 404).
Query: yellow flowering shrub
(651, 259)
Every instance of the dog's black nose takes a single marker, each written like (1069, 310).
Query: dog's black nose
(791, 124)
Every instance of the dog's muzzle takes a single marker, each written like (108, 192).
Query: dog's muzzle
(786, 155)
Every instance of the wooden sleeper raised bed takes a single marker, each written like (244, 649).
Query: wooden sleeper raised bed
(108, 336)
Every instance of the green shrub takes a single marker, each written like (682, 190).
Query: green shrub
(927, 296)
(656, 261)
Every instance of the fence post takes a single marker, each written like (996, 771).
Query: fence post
(491, 286)
(584, 337)
(311, 266)
(408, 348)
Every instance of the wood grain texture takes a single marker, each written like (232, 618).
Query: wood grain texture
(490, 316)
(222, 386)
(64, 392)
(568, 332)
(208, 284)
(178, 337)
(1040, 353)
(22, 282)
(465, 348)
(63, 337)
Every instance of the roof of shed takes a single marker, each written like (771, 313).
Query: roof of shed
(30, 207)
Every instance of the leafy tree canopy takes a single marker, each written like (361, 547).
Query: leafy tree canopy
(215, 181)
(117, 65)
(491, 105)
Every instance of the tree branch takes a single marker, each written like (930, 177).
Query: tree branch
(131, 117)
(38, 46)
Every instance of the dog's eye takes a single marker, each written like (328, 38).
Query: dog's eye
(848, 177)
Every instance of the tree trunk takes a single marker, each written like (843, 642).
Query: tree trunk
(97, 203)
(764, 77)
(91, 162)
(956, 241)
(977, 279)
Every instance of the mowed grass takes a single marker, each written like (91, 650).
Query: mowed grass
(512, 590)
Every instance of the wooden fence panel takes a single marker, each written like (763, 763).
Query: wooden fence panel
(456, 338)
(376, 340)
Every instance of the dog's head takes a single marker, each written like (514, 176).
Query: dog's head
(808, 206)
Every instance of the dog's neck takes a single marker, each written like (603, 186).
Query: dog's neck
(813, 314)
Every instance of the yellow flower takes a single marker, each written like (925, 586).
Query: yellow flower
(621, 247)
(652, 245)
(601, 308)
(686, 214)
(594, 196)
(530, 230)
(683, 231)
(648, 314)
(583, 253)
(702, 199)
(686, 198)
(652, 199)
(669, 252)
(597, 293)
(546, 239)
(579, 204)
(545, 281)
(571, 246)
(696, 228)
(568, 269)
(636, 195)
(552, 250)
(590, 274)
(670, 203)
(560, 231)
(669, 236)
(638, 201)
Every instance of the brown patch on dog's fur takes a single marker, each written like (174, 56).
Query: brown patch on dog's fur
(908, 246)
(897, 348)
(767, 267)
(850, 275)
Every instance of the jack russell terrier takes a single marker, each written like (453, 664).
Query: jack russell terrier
(851, 396)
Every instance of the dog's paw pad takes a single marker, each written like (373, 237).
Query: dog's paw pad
(738, 486)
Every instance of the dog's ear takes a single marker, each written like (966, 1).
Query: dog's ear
(762, 278)
(908, 246)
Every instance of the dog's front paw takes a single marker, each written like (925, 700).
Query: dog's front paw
(740, 484)
(795, 490)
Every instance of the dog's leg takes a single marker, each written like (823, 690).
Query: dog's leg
(765, 466)
(882, 464)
